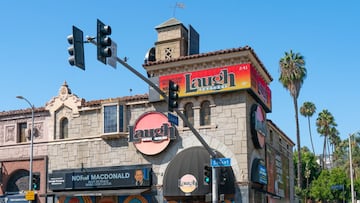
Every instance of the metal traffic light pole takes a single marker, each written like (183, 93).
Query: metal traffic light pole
(185, 120)
(149, 82)
(181, 115)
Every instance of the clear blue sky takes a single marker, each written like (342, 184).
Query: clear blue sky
(33, 49)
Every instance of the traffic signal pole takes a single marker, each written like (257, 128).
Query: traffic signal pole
(181, 115)
(187, 123)
(214, 185)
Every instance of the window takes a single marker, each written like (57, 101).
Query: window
(114, 119)
(205, 113)
(168, 53)
(64, 125)
(189, 113)
(121, 118)
(22, 132)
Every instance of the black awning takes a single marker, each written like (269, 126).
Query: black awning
(99, 192)
(191, 162)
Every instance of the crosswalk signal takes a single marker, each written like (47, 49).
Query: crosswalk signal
(76, 49)
(173, 96)
(36, 181)
(103, 41)
(207, 175)
(223, 176)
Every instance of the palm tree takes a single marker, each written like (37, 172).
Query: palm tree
(326, 127)
(308, 109)
(334, 139)
(292, 75)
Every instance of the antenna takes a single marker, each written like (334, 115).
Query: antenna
(178, 5)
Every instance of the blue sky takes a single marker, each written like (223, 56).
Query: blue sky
(33, 49)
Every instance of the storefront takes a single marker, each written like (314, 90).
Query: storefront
(101, 185)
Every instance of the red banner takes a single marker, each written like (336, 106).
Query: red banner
(220, 79)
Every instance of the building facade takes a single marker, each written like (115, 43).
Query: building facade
(126, 150)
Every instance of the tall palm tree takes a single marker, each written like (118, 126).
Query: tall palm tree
(326, 127)
(292, 75)
(308, 109)
(334, 139)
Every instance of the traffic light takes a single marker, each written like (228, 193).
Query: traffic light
(173, 96)
(76, 49)
(207, 175)
(36, 181)
(223, 177)
(103, 41)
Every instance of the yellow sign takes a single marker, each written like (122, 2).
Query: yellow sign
(30, 195)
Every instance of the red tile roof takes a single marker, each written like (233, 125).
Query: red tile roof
(22, 111)
(219, 52)
(92, 103)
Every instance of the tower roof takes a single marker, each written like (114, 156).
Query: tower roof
(168, 23)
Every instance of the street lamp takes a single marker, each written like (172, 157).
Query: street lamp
(31, 142)
(351, 172)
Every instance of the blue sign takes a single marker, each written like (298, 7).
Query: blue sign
(337, 187)
(220, 162)
(173, 119)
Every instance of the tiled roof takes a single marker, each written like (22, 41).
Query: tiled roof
(92, 103)
(95, 103)
(22, 111)
(219, 52)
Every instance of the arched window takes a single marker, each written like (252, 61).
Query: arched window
(189, 113)
(64, 125)
(205, 113)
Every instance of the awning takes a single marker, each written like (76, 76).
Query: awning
(188, 168)
(16, 198)
(99, 192)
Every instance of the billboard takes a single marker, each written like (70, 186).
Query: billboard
(113, 177)
(220, 79)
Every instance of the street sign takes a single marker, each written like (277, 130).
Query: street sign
(113, 59)
(337, 187)
(173, 119)
(30, 195)
(221, 162)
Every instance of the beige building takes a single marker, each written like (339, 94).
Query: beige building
(125, 149)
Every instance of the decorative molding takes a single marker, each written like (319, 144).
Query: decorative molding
(114, 135)
(65, 98)
(10, 134)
